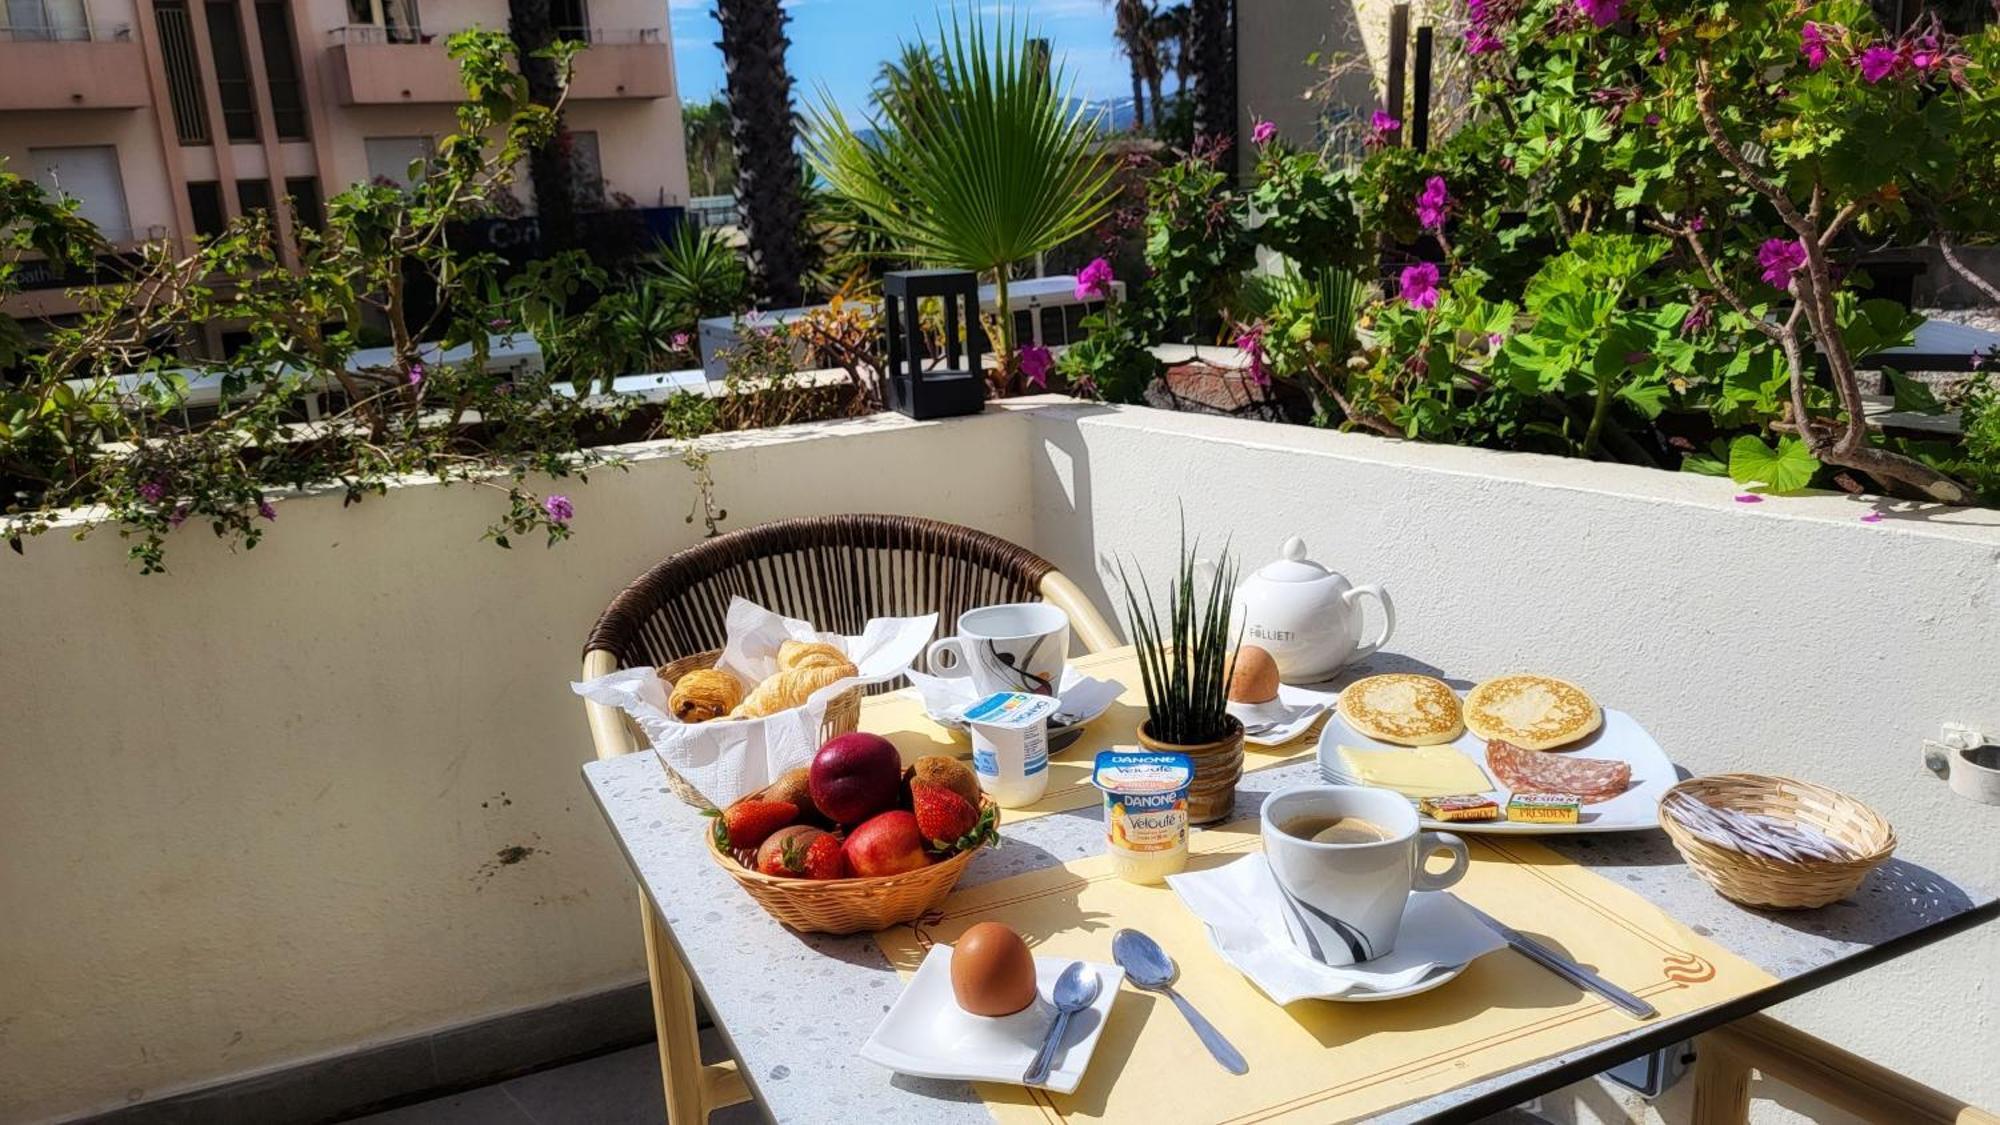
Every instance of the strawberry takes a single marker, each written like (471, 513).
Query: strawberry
(784, 851)
(825, 859)
(746, 823)
(947, 819)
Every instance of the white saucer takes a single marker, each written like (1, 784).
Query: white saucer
(928, 1035)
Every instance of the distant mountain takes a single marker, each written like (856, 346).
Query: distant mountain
(1118, 112)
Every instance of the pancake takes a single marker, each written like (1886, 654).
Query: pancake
(1402, 708)
(1532, 712)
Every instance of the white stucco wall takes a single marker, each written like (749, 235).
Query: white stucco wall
(250, 811)
(1784, 637)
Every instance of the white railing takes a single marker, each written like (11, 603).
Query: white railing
(373, 33)
(36, 21)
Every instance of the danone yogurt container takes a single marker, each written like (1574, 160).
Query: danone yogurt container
(1145, 811)
(1010, 746)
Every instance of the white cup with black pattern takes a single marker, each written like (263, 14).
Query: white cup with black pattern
(1344, 899)
(1016, 647)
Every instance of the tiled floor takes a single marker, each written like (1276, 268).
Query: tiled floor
(622, 1088)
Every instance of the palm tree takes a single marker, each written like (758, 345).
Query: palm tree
(996, 165)
(705, 125)
(1134, 18)
(761, 127)
(1212, 43)
(532, 29)
(1170, 31)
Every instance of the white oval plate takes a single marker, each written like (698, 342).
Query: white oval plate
(1621, 738)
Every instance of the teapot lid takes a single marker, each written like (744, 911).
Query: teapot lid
(1294, 566)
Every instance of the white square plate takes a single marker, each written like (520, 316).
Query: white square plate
(1620, 738)
(927, 1034)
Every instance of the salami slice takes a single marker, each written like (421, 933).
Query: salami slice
(1533, 771)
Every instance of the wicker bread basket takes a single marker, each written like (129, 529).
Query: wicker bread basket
(1758, 881)
(848, 906)
(843, 714)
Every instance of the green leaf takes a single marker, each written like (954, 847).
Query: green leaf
(1647, 398)
(1788, 468)
(1913, 395)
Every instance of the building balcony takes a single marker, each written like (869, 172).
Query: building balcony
(377, 66)
(72, 68)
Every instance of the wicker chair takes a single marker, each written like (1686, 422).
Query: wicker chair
(837, 572)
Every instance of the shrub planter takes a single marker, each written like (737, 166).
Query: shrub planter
(1217, 766)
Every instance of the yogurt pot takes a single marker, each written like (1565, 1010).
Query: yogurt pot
(1010, 746)
(1145, 811)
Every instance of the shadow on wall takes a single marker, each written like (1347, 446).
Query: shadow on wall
(1061, 494)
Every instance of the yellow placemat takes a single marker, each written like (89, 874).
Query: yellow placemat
(899, 717)
(1323, 1061)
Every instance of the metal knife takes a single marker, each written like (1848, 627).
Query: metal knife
(1564, 967)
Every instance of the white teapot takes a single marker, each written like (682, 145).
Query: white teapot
(1305, 616)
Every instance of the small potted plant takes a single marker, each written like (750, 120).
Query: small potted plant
(1184, 666)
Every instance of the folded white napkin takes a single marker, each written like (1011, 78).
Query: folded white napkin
(724, 760)
(1240, 904)
(947, 697)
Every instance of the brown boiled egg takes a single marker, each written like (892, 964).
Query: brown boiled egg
(992, 972)
(1253, 676)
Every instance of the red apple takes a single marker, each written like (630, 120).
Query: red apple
(888, 843)
(854, 776)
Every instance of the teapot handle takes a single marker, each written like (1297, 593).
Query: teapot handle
(1381, 597)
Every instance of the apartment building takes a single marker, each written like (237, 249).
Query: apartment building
(167, 118)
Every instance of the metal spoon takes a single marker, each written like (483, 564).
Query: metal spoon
(1147, 966)
(1076, 989)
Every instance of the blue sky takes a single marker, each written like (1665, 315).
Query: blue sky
(841, 43)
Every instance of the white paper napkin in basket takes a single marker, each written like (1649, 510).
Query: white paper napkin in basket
(725, 760)
(1240, 904)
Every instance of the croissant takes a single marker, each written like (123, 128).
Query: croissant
(809, 654)
(788, 688)
(704, 694)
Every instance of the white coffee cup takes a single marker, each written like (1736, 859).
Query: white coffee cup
(1344, 901)
(1017, 647)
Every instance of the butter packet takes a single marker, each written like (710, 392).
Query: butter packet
(1545, 808)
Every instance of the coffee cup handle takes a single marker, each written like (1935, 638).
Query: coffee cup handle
(947, 646)
(1428, 845)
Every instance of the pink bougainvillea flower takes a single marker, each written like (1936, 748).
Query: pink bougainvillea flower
(1494, 340)
(265, 509)
(1433, 203)
(1420, 285)
(1877, 61)
(416, 373)
(1603, 13)
(1872, 517)
(1697, 224)
(1481, 41)
(1384, 123)
(178, 516)
(152, 492)
(1251, 341)
(559, 510)
(1036, 362)
(680, 341)
(1781, 258)
(1812, 44)
(1094, 282)
(498, 323)
(1264, 132)
(1749, 498)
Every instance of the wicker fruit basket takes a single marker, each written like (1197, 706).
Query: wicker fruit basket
(1759, 881)
(843, 714)
(848, 906)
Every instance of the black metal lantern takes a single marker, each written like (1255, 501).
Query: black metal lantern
(957, 385)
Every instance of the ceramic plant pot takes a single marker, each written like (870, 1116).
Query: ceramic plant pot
(1217, 766)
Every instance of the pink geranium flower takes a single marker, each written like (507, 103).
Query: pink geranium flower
(1036, 362)
(1603, 13)
(1420, 285)
(1264, 132)
(1433, 203)
(1781, 258)
(1877, 61)
(1094, 283)
(1251, 341)
(1812, 44)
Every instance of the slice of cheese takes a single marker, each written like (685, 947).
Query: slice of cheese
(1416, 771)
